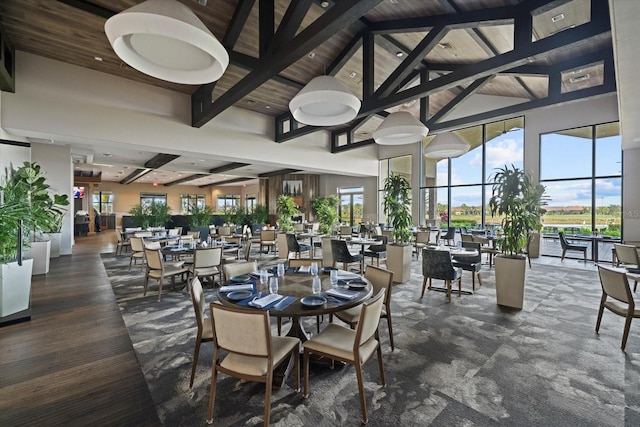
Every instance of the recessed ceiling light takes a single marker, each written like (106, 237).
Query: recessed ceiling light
(268, 107)
(324, 4)
(399, 54)
(353, 74)
(558, 17)
(311, 54)
(107, 154)
(97, 58)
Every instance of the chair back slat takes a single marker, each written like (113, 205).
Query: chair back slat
(369, 319)
(154, 258)
(197, 297)
(207, 257)
(238, 268)
(241, 331)
(615, 284)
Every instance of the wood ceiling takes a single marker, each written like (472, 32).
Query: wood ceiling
(425, 57)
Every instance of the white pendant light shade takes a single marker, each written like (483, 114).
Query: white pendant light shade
(400, 128)
(445, 145)
(324, 101)
(166, 40)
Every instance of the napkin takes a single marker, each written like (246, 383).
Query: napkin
(265, 301)
(242, 287)
(347, 276)
(304, 269)
(341, 293)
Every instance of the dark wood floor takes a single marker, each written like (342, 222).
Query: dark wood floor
(73, 363)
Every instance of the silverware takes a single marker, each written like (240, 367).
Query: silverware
(279, 303)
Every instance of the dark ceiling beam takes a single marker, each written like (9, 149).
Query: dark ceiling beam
(278, 173)
(488, 16)
(90, 8)
(331, 22)
(290, 23)
(160, 160)
(455, 102)
(228, 167)
(136, 174)
(266, 25)
(541, 5)
(229, 181)
(598, 28)
(185, 179)
(411, 61)
(240, 16)
(249, 63)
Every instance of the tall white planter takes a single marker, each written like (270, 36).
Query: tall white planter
(55, 244)
(40, 252)
(510, 275)
(399, 261)
(15, 287)
(534, 245)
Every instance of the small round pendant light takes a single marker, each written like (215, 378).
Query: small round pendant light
(324, 101)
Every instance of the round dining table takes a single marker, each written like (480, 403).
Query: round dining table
(298, 286)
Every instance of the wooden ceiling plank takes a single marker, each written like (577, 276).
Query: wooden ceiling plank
(278, 172)
(330, 23)
(576, 36)
(345, 55)
(89, 7)
(240, 15)
(136, 174)
(411, 61)
(249, 63)
(229, 181)
(290, 23)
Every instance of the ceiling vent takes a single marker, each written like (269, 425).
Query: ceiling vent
(558, 17)
(579, 79)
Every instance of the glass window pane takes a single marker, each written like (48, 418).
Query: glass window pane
(358, 209)
(566, 154)
(442, 201)
(466, 206)
(384, 172)
(504, 145)
(608, 149)
(467, 169)
(608, 206)
(442, 172)
(401, 166)
(569, 206)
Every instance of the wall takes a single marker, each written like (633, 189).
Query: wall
(56, 161)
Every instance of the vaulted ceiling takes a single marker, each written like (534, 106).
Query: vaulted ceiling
(426, 57)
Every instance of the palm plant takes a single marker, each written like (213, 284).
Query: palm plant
(140, 215)
(200, 216)
(326, 210)
(397, 202)
(159, 214)
(285, 209)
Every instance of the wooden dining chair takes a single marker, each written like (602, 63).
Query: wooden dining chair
(238, 268)
(617, 298)
(207, 263)
(205, 333)
(267, 240)
(137, 251)
(628, 258)
(342, 255)
(436, 264)
(121, 243)
(380, 278)
(252, 353)
(158, 269)
(337, 342)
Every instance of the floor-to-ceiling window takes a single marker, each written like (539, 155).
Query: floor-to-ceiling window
(351, 205)
(456, 191)
(397, 166)
(581, 169)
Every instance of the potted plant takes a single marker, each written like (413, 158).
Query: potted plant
(285, 209)
(200, 219)
(260, 217)
(536, 201)
(159, 215)
(54, 232)
(326, 211)
(140, 216)
(397, 208)
(517, 200)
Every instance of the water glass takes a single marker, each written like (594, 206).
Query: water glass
(333, 277)
(459, 244)
(280, 270)
(273, 285)
(316, 285)
(264, 277)
(313, 269)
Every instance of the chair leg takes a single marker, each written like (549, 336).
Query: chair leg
(424, 285)
(305, 367)
(161, 280)
(600, 312)
(146, 282)
(564, 251)
(267, 397)
(627, 326)
(195, 360)
(279, 326)
(383, 380)
(473, 281)
(479, 279)
(363, 403)
(448, 283)
(212, 389)
(390, 330)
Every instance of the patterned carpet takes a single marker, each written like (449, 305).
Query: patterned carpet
(467, 363)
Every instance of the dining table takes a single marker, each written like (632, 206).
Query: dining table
(364, 242)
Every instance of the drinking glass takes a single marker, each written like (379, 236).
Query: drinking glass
(264, 277)
(333, 277)
(273, 285)
(459, 244)
(280, 270)
(313, 269)
(316, 285)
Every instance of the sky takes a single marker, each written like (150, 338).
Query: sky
(562, 156)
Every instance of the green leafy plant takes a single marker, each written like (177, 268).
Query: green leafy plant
(140, 215)
(239, 215)
(518, 200)
(285, 209)
(159, 214)
(396, 205)
(326, 211)
(27, 197)
(260, 214)
(200, 216)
